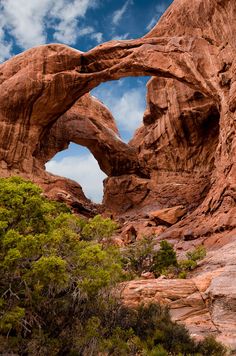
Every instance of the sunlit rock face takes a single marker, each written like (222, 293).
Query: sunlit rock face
(184, 154)
(187, 139)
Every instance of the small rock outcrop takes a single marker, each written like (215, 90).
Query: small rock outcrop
(182, 155)
(168, 216)
(205, 303)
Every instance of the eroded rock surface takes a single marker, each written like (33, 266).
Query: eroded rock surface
(188, 136)
(206, 302)
(90, 124)
(183, 154)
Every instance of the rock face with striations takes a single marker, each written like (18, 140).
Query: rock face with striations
(184, 154)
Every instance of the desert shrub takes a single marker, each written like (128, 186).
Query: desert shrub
(190, 263)
(197, 254)
(209, 346)
(138, 257)
(164, 258)
(48, 275)
(98, 228)
(142, 257)
(149, 330)
(187, 265)
(154, 327)
(23, 208)
(182, 275)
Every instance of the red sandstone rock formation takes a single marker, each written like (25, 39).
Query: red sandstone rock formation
(90, 124)
(188, 137)
(184, 154)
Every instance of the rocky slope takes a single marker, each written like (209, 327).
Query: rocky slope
(184, 153)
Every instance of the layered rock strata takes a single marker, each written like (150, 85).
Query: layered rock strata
(205, 303)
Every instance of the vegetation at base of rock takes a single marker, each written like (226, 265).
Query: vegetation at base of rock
(164, 258)
(58, 291)
(142, 257)
(98, 229)
(190, 263)
(138, 257)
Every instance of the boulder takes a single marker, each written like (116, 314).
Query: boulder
(170, 216)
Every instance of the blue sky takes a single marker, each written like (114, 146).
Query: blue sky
(83, 24)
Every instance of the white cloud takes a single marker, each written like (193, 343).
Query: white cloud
(98, 36)
(65, 33)
(118, 14)
(5, 47)
(121, 37)
(68, 13)
(152, 23)
(24, 20)
(5, 50)
(28, 21)
(86, 31)
(85, 170)
(159, 10)
(127, 108)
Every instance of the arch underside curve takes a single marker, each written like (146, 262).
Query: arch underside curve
(52, 78)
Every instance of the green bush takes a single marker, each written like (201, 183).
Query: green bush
(149, 330)
(192, 258)
(98, 228)
(164, 258)
(49, 276)
(141, 257)
(22, 207)
(138, 257)
(182, 275)
(197, 254)
(209, 346)
(187, 265)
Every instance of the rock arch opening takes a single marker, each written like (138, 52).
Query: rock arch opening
(77, 163)
(175, 144)
(126, 99)
(178, 142)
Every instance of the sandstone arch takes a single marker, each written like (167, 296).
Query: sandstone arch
(89, 123)
(43, 83)
(39, 86)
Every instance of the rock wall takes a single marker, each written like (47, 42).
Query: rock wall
(188, 135)
(205, 303)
